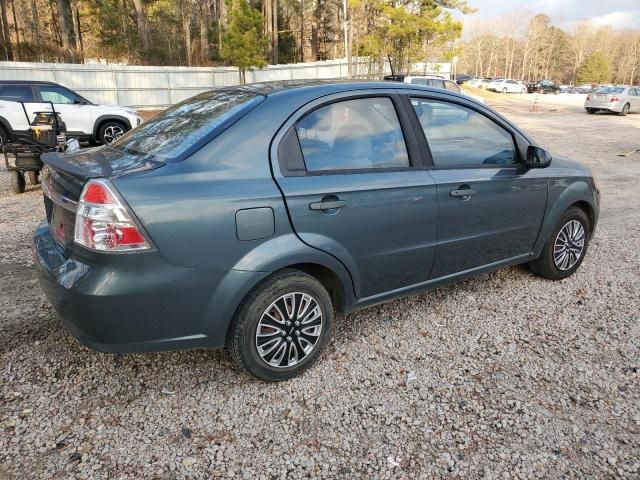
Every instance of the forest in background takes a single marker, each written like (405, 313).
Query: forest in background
(253, 33)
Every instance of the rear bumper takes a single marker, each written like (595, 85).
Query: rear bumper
(136, 302)
(610, 106)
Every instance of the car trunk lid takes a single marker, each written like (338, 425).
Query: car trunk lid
(64, 177)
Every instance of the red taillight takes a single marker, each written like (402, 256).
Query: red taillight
(97, 193)
(103, 222)
(614, 99)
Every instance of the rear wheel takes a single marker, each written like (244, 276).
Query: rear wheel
(504, 90)
(625, 110)
(523, 91)
(34, 177)
(566, 247)
(282, 327)
(17, 182)
(110, 131)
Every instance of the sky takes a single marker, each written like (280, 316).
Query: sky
(566, 13)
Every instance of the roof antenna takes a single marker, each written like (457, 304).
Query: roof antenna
(393, 75)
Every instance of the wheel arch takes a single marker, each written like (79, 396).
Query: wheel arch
(6, 126)
(109, 118)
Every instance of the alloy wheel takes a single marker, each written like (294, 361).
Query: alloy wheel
(112, 133)
(289, 330)
(569, 245)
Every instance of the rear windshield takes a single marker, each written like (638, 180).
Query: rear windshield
(610, 90)
(188, 125)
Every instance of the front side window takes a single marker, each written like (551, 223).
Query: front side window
(353, 134)
(16, 93)
(57, 95)
(461, 137)
(187, 124)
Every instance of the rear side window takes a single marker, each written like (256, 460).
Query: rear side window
(353, 134)
(452, 86)
(188, 125)
(17, 93)
(461, 137)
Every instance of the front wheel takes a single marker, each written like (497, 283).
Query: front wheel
(282, 327)
(504, 90)
(523, 91)
(110, 131)
(566, 247)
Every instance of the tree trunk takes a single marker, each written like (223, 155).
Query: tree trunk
(6, 34)
(35, 25)
(76, 14)
(66, 25)
(186, 27)
(204, 31)
(16, 27)
(301, 30)
(141, 23)
(274, 32)
(267, 12)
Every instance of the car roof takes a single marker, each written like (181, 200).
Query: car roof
(26, 82)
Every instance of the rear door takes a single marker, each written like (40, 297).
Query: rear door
(350, 171)
(490, 206)
(73, 109)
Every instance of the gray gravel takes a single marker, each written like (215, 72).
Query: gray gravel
(503, 376)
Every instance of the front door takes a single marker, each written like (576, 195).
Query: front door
(74, 112)
(491, 206)
(357, 195)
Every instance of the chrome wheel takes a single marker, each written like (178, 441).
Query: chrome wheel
(569, 245)
(289, 330)
(112, 133)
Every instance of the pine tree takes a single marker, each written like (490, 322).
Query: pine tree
(243, 42)
(595, 69)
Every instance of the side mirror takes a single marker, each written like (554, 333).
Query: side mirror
(537, 157)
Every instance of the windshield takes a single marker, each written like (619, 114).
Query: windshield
(188, 124)
(610, 90)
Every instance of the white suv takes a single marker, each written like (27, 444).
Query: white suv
(83, 119)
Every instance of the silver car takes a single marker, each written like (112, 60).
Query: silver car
(620, 100)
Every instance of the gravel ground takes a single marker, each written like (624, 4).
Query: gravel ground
(503, 376)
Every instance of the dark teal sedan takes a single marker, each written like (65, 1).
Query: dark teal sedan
(246, 216)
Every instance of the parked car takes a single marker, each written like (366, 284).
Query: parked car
(506, 85)
(475, 83)
(187, 232)
(543, 86)
(463, 78)
(436, 81)
(621, 100)
(583, 89)
(84, 120)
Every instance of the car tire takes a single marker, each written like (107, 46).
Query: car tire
(565, 237)
(591, 110)
(523, 91)
(17, 182)
(34, 177)
(625, 110)
(110, 131)
(258, 314)
(504, 90)
(4, 138)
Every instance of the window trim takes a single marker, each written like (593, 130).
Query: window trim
(419, 132)
(404, 120)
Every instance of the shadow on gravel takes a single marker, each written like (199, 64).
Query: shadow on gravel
(26, 316)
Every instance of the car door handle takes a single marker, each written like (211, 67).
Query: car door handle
(329, 205)
(465, 192)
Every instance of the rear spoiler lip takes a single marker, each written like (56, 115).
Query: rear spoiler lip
(57, 161)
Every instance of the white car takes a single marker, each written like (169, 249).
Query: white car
(506, 85)
(619, 99)
(437, 81)
(84, 120)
